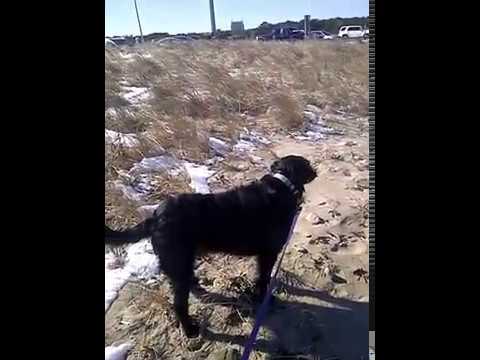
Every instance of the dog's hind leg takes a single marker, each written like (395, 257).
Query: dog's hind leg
(178, 266)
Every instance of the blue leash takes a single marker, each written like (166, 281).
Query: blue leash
(262, 311)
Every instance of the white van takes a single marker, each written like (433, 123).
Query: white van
(351, 31)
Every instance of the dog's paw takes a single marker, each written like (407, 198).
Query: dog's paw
(272, 302)
(197, 289)
(192, 330)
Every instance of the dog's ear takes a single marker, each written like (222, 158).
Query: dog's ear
(275, 167)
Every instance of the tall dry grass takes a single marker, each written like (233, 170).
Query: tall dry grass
(217, 80)
(216, 89)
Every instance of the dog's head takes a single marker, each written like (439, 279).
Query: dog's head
(296, 168)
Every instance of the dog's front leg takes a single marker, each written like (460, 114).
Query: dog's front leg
(265, 266)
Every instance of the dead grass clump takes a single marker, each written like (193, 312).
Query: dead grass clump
(113, 75)
(195, 105)
(166, 99)
(169, 185)
(181, 136)
(127, 120)
(287, 111)
(119, 211)
(225, 127)
(119, 157)
(178, 97)
(113, 99)
(229, 91)
(144, 71)
(334, 72)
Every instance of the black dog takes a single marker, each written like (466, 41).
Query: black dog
(249, 220)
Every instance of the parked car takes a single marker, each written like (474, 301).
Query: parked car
(351, 31)
(284, 33)
(320, 34)
(297, 35)
(179, 39)
(264, 37)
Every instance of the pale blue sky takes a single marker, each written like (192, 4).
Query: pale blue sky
(177, 16)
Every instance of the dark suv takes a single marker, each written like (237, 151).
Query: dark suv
(287, 34)
(284, 33)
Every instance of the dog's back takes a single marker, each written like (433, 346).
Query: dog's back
(242, 221)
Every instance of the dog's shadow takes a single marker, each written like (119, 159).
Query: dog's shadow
(338, 328)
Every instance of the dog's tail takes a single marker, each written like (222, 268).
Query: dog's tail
(129, 236)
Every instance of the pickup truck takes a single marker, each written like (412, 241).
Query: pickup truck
(283, 34)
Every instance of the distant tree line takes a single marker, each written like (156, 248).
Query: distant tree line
(329, 25)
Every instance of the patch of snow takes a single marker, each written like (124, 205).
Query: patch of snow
(313, 108)
(315, 128)
(136, 94)
(114, 281)
(118, 352)
(214, 160)
(302, 137)
(111, 112)
(256, 159)
(157, 164)
(143, 184)
(249, 141)
(219, 147)
(128, 191)
(235, 73)
(128, 56)
(312, 116)
(312, 135)
(244, 146)
(254, 137)
(322, 129)
(140, 262)
(116, 138)
(140, 180)
(146, 211)
(199, 175)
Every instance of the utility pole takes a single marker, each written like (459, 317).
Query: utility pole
(138, 18)
(212, 17)
(306, 26)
